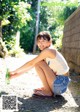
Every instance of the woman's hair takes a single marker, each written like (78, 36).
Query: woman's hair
(45, 35)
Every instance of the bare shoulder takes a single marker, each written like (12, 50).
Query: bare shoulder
(49, 53)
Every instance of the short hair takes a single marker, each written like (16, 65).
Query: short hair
(45, 35)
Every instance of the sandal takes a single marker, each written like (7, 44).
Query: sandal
(38, 89)
(40, 93)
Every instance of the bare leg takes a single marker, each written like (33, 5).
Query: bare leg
(46, 75)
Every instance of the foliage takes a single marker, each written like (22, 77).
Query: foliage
(13, 49)
(22, 14)
(66, 13)
(26, 39)
(62, 16)
(13, 16)
(3, 50)
(28, 31)
(44, 15)
(16, 15)
(58, 41)
(16, 52)
(59, 12)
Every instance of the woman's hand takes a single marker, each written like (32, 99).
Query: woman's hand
(13, 75)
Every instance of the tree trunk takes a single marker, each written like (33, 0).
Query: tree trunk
(37, 25)
(0, 29)
(3, 50)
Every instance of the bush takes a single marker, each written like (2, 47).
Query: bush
(16, 52)
(13, 47)
(58, 44)
(3, 49)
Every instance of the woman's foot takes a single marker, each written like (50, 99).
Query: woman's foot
(42, 92)
(35, 90)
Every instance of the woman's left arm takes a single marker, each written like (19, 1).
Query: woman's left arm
(27, 66)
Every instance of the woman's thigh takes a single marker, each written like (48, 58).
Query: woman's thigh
(50, 76)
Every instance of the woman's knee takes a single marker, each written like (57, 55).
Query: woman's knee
(39, 64)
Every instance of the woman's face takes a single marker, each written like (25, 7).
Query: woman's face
(42, 44)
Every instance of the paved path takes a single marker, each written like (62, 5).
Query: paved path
(23, 86)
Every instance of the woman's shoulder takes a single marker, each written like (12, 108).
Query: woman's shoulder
(49, 49)
(50, 52)
(52, 49)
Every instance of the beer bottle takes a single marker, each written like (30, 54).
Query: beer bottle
(7, 76)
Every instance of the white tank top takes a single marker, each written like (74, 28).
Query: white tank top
(58, 64)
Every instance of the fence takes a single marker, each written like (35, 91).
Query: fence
(71, 41)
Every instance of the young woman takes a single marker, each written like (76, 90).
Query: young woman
(50, 65)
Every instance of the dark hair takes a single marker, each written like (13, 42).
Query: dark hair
(45, 35)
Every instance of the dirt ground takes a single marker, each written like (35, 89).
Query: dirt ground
(23, 87)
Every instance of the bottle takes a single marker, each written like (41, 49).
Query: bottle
(7, 76)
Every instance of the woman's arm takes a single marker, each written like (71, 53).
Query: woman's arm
(27, 66)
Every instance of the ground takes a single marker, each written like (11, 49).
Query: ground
(23, 87)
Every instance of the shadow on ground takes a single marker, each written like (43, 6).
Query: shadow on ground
(39, 104)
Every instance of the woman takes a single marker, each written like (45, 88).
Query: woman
(50, 65)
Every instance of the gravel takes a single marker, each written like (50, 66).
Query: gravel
(22, 87)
